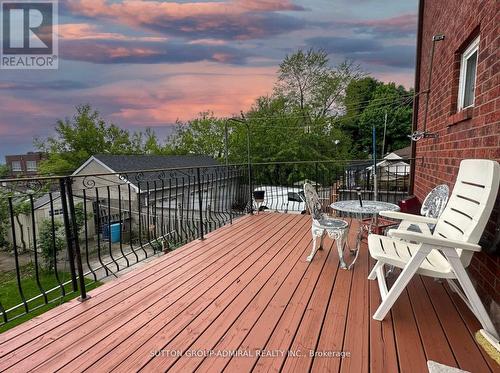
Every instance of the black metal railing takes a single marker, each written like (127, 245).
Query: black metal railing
(282, 182)
(61, 235)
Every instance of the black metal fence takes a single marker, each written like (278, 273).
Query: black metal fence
(63, 234)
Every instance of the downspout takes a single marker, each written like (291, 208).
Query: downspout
(417, 96)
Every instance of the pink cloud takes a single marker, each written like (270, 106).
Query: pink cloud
(85, 31)
(232, 19)
(403, 78)
(405, 24)
(141, 9)
(24, 117)
(401, 21)
(183, 96)
(22, 106)
(207, 42)
(268, 5)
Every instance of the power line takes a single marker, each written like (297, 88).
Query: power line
(388, 101)
(385, 101)
(330, 122)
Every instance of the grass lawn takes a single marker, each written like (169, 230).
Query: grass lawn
(9, 294)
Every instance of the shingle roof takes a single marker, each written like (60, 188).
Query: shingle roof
(43, 200)
(404, 152)
(125, 164)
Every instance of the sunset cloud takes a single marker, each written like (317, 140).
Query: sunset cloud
(120, 52)
(399, 26)
(233, 20)
(147, 63)
(370, 51)
(183, 96)
(85, 31)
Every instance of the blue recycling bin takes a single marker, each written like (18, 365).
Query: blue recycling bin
(115, 232)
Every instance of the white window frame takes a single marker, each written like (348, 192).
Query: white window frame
(19, 167)
(471, 49)
(56, 212)
(29, 166)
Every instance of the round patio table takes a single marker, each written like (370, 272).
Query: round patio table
(371, 208)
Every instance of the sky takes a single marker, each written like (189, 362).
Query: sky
(148, 63)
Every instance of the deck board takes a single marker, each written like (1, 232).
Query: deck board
(383, 350)
(466, 351)
(357, 330)
(248, 288)
(434, 340)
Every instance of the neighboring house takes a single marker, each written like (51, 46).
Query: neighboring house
(393, 174)
(464, 108)
(393, 167)
(24, 165)
(404, 153)
(44, 207)
(159, 187)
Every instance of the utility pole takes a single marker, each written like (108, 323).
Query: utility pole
(385, 131)
(226, 143)
(375, 181)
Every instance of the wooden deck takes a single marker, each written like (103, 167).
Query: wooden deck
(245, 299)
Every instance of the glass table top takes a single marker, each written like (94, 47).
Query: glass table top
(369, 207)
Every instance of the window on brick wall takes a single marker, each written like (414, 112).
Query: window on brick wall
(31, 166)
(467, 83)
(16, 166)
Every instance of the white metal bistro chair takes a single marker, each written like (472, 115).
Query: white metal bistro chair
(432, 208)
(322, 225)
(448, 251)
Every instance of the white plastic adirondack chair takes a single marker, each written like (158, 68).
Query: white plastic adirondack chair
(448, 251)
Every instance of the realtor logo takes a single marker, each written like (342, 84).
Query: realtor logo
(28, 34)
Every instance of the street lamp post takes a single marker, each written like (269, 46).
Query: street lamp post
(249, 167)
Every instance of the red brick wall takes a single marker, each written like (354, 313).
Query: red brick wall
(473, 133)
(23, 158)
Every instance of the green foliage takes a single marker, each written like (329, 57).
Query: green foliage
(398, 106)
(51, 241)
(4, 221)
(9, 293)
(277, 134)
(316, 112)
(80, 216)
(359, 93)
(202, 135)
(311, 86)
(21, 206)
(87, 134)
(4, 171)
(367, 101)
(297, 122)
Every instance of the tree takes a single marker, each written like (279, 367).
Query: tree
(359, 93)
(398, 107)
(4, 215)
(296, 122)
(310, 84)
(366, 103)
(83, 136)
(51, 241)
(202, 135)
(4, 171)
(22, 207)
(277, 135)
(4, 220)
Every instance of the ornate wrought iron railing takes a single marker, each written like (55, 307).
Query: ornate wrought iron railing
(60, 235)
